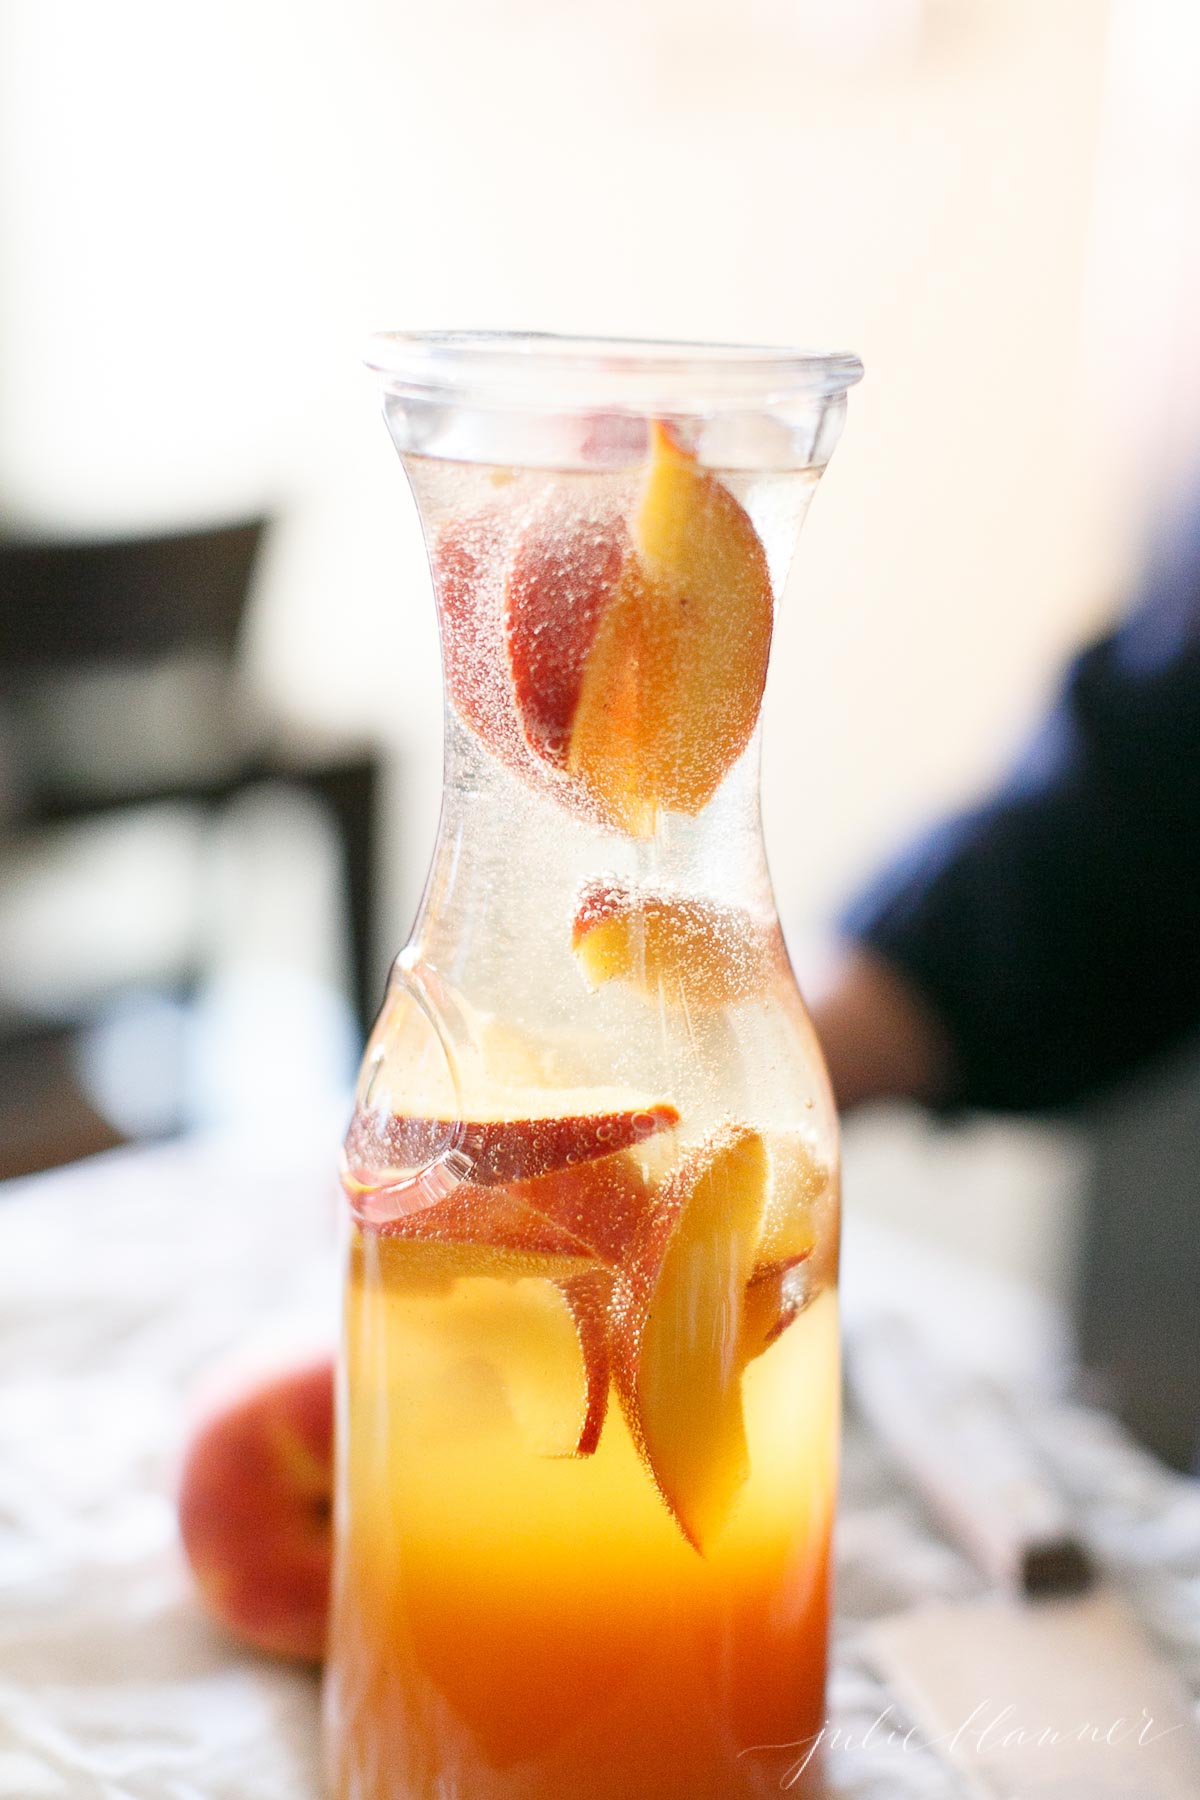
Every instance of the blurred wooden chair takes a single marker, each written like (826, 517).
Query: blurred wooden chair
(120, 687)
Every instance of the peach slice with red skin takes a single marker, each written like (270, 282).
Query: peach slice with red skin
(464, 556)
(572, 1227)
(672, 1286)
(568, 567)
(502, 1344)
(698, 951)
(792, 1232)
(486, 1220)
(551, 1281)
(601, 1204)
(678, 1328)
(515, 1268)
(771, 1304)
(638, 641)
(590, 1212)
(589, 1297)
(552, 1193)
(517, 1136)
(799, 1188)
(704, 627)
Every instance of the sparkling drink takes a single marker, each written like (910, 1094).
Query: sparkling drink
(588, 1401)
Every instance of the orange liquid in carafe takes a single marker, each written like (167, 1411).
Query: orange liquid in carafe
(512, 1622)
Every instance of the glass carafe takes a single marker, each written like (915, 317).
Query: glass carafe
(588, 1400)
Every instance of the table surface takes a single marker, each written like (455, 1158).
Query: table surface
(123, 1279)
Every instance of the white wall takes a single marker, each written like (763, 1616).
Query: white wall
(1141, 337)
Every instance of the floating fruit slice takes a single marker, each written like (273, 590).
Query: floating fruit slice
(429, 1266)
(570, 602)
(589, 1298)
(799, 1185)
(602, 1204)
(638, 636)
(510, 1136)
(485, 1219)
(678, 1323)
(420, 1261)
(705, 631)
(772, 1303)
(693, 949)
(467, 556)
(609, 750)
(795, 1225)
(570, 565)
(561, 1227)
(516, 1341)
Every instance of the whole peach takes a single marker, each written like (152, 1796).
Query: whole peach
(255, 1500)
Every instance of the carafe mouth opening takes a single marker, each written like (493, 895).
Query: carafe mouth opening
(644, 375)
(542, 399)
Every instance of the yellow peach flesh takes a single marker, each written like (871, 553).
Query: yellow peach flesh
(678, 1327)
(681, 945)
(638, 647)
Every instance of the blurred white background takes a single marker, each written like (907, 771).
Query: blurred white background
(205, 209)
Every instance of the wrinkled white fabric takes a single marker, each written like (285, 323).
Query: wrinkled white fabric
(122, 1279)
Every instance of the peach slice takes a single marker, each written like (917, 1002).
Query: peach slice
(705, 629)
(678, 1324)
(601, 1205)
(572, 609)
(515, 1136)
(570, 1227)
(558, 1385)
(638, 640)
(466, 556)
(799, 1186)
(700, 952)
(469, 556)
(589, 1297)
(592, 1210)
(771, 1304)
(487, 1216)
(503, 1256)
(570, 564)
(573, 1227)
(793, 1230)
(523, 1337)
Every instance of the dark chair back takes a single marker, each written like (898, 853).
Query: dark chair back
(119, 686)
(125, 600)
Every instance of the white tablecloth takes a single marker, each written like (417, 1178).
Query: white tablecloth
(121, 1280)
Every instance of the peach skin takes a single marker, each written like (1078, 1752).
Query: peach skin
(254, 1511)
(682, 946)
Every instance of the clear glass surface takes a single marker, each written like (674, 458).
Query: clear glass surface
(588, 1404)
